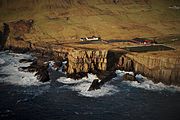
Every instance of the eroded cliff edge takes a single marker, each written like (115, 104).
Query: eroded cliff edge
(157, 67)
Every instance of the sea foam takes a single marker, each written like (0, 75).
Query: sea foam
(82, 85)
(14, 76)
(146, 84)
(2, 61)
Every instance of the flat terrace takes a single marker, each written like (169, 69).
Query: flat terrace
(150, 48)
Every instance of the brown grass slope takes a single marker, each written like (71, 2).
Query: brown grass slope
(68, 20)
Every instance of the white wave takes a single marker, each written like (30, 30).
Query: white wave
(51, 66)
(2, 61)
(65, 80)
(25, 79)
(147, 84)
(120, 73)
(150, 85)
(82, 86)
(69, 80)
(30, 83)
(62, 67)
(14, 75)
(105, 90)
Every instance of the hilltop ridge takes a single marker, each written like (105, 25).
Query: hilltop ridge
(69, 20)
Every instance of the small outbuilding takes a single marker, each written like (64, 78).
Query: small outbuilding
(93, 38)
(143, 41)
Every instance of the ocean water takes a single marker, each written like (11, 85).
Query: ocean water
(23, 97)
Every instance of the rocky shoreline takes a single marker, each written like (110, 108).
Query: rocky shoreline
(82, 61)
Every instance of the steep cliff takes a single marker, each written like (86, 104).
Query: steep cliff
(156, 67)
(46, 25)
(87, 60)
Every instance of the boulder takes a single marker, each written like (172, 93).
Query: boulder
(25, 60)
(37, 66)
(77, 76)
(23, 69)
(28, 69)
(129, 77)
(32, 68)
(57, 65)
(95, 85)
(43, 74)
(106, 76)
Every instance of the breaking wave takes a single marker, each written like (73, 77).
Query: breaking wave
(10, 69)
(146, 84)
(82, 85)
(29, 83)
(111, 87)
(2, 61)
(10, 63)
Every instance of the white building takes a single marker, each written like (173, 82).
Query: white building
(93, 38)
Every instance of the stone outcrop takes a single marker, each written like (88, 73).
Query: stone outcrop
(95, 85)
(158, 69)
(104, 76)
(13, 33)
(4, 34)
(125, 63)
(37, 66)
(130, 77)
(82, 61)
(19, 28)
(42, 73)
(86, 61)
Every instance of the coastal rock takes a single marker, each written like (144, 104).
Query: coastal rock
(14, 33)
(104, 76)
(95, 85)
(164, 69)
(158, 69)
(129, 77)
(41, 70)
(77, 76)
(57, 65)
(17, 35)
(25, 60)
(37, 66)
(43, 74)
(86, 61)
(4, 34)
(32, 68)
(19, 28)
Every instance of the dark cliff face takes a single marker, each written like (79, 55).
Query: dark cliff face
(21, 27)
(87, 61)
(61, 20)
(4, 34)
(12, 34)
(158, 69)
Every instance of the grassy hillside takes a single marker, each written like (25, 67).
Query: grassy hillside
(68, 20)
